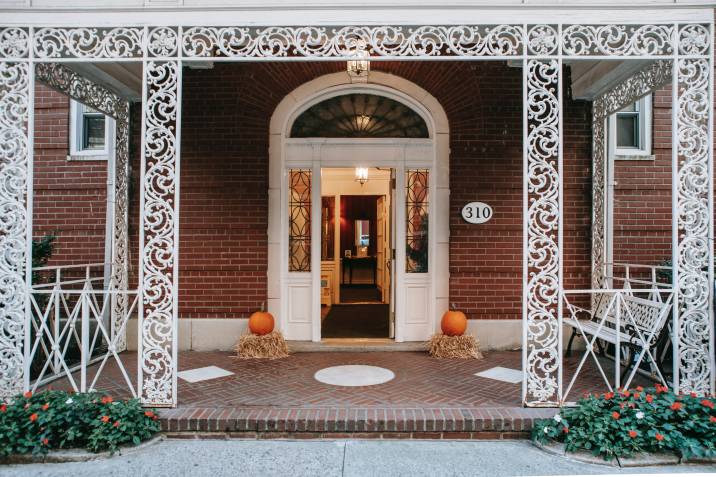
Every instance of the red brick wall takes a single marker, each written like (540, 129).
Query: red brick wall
(224, 182)
(69, 196)
(642, 195)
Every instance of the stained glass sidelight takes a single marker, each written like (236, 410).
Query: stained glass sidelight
(416, 218)
(299, 220)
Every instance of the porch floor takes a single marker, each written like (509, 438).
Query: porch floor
(280, 398)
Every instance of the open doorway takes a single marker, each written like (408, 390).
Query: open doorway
(356, 249)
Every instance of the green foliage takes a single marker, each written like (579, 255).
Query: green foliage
(41, 253)
(640, 420)
(60, 420)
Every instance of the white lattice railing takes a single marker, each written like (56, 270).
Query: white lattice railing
(621, 317)
(74, 330)
(632, 275)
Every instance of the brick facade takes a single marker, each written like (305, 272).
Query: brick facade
(69, 196)
(224, 182)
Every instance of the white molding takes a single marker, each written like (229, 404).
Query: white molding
(305, 14)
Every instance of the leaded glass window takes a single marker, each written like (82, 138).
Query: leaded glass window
(299, 220)
(416, 217)
(359, 115)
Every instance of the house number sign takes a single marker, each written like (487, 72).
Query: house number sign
(476, 212)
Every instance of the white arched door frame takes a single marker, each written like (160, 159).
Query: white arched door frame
(288, 290)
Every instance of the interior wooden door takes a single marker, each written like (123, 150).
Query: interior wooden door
(380, 247)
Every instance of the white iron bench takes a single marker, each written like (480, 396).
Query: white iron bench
(641, 322)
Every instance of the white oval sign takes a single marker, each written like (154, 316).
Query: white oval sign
(476, 212)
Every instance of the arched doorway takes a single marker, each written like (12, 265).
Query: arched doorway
(301, 147)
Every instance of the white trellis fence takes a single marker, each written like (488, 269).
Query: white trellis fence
(75, 331)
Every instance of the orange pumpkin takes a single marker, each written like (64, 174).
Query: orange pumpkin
(454, 323)
(261, 322)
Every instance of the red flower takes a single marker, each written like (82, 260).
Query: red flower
(116, 424)
(105, 419)
(565, 430)
(707, 403)
(692, 394)
(639, 388)
(3, 407)
(637, 395)
(615, 415)
(659, 437)
(676, 406)
(661, 389)
(149, 413)
(107, 400)
(33, 417)
(45, 441)
(608, 396)
(649, 398)
(632, 434)
(712, 419)
(28, 395)
(626, 394)
(46, 406)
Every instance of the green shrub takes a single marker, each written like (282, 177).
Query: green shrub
(60, 420)
(640, 420)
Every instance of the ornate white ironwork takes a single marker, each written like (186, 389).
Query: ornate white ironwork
(617, 40)
(542, 287)
(79, 88)
(160, 215)
(14, 42)
(15, 91)
(625, 93)
(693, 256)
(119, 42)
(504, 40)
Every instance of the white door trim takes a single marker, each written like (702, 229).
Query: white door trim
(316, 153)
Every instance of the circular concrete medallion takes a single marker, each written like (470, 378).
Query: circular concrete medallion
(354, 375)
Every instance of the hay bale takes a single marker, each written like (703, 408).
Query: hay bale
(269, 346)
(463, 347)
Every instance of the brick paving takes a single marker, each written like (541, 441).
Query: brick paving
(428, 398)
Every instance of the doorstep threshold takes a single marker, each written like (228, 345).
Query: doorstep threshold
(356, 345)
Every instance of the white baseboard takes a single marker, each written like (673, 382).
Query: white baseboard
(208, 334)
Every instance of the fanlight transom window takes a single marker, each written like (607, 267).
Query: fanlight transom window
(359, 115)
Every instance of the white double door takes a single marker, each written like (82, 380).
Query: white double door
(413, 295)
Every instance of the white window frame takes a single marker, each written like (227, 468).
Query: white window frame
(76, 133)
(644, 108)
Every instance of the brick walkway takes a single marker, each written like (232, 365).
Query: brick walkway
(280, 398)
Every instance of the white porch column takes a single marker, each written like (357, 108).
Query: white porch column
(692, 191)
(542, 277)
(120, 228)
(159, 233)
(16, 117)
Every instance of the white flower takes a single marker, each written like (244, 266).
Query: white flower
(546, 430)
(639, 415)
(557, 418)
(69, 401)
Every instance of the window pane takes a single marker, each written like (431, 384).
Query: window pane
(628, 131)
(416, 233)
(92, 131)
(299, 220)
(328, 216)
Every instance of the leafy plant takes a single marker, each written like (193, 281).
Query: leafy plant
(641, 420)
(60, 420)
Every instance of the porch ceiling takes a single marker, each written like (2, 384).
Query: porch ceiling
(590, 78)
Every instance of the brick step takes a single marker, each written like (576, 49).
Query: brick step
(319, 422)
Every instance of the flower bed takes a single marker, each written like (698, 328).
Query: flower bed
(37, 423)
(633, 421)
